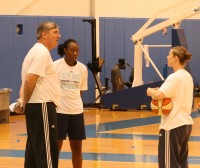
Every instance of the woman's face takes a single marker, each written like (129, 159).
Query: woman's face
(72, 51)
(171, 59)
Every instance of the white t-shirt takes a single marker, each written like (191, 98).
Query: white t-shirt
(179, 87)
(73, 79)
(38, 61)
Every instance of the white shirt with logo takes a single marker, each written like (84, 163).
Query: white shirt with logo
(73, 79)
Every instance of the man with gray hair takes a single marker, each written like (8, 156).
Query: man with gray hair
(40, 94)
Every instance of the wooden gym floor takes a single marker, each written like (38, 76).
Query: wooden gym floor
(115, 139)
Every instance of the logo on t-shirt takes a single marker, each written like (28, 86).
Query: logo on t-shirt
(70, 80)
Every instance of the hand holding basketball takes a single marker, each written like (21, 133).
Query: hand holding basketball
(163, 106)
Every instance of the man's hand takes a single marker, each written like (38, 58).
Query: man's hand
(19, 107)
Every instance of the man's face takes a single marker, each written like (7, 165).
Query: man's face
(52, 37)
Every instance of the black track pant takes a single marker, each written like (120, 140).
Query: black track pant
(173, 147)
(41, 147)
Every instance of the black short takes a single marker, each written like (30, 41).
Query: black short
(71, 125)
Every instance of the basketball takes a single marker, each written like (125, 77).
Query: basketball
(163, 106)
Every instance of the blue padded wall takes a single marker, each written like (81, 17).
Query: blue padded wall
(192, 33)
(7, 53)
(115, 43)
(115, 34)
(109, 53)
(14, 47)
(119, 41)
(19, 50)
(82, 33)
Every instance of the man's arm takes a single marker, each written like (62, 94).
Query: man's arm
(29, 85)
(21, 92)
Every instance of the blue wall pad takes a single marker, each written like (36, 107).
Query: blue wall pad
(130, 98)
(14, 47)
(115, 42)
